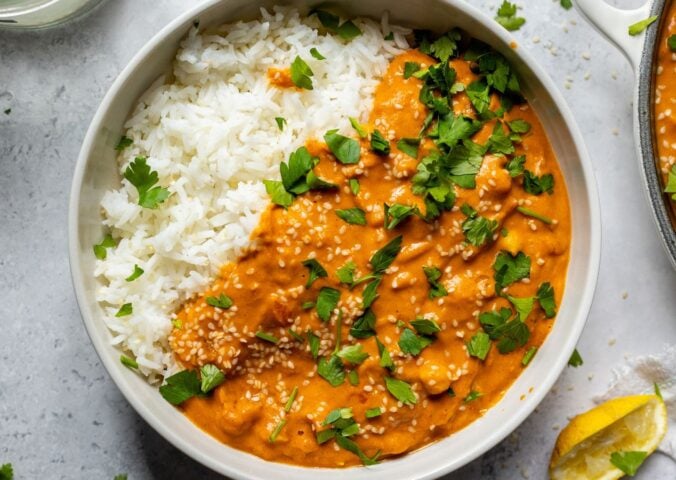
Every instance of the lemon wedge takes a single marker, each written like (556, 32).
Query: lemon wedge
(627, 424)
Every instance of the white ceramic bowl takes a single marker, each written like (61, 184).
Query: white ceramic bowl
(96, 171)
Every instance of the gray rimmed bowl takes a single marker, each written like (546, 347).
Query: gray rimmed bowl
(96, 172)
(641, 50)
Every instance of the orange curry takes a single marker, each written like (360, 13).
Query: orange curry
(665, 104)
(403, 356)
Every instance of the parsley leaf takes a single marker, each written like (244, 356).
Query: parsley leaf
(410, 68)
(313, 341)
(267, 337)
(515, 166)
(671, 43)
(301, 74)
(575, 359)
(348, 30)
(138, 271)
(397, 213)
(326, 302)
(295, 171)
(278, 193)
(123, 143)
(385, 357)
(379, 144)
(528, 356)
(125, 310)
(412, 344)
(471, 396)
(519, 126)
(492, 321)
(507, 16)
(409, 146)
(453, 128)
(180, 387)
(139, 174)
(437, 289)
(545, 295)
(369, 295)
(499, 142)
(332, 370)
(400, 390)
(538, 185)
(530, 213)
(358, 127)
(512, 335)
(315, 54)
(523, 306)
(316, 271)
(444, 47)
(477, 229)
(127, 362)
(212, 377)
(222, 301)
(384, 257)
(364, 326)
(373, 412)
(628, 462)
(353, 354)
(510, 268)
(354, 186)
(328, 20)
(281, 121)
(346, 273)
(100, 251)
(425, 326)
(479, 94)
(671, 182)
(639, 27)
(353, 216)
(479, 345)
(346, 150)
(567, 4)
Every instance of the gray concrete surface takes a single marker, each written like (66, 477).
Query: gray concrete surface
(60, 414)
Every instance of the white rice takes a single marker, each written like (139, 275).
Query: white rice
(211, 135)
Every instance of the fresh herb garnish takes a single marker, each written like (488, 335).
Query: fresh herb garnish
(180, 387)
(100, 250)
(425, 326)
(353, 354)
(409, 146)
(538, 185)
(332, 370)
(353, 216)
(671, 43)
(268, 337)
(515, 166)
(379, 144)
(341, 426)
(444, 47)
(138, 271)
(370, 292)
(354, 186)
(125, 310)
(479, 345)
(373, 412)
(139, 174)
(530, 213)
(477, 229)
(292, 398)
(346, 273)
(437, 289)
(326, 302)
(575, 359)
(628, 462)
(278, 194)
(519, 126)
(507, 16)
(346, 150)
(222, 301)
(123, 143)
(212, 377)
(400, 390)
(510, 334)
(472, 395)
(384, 257)
(499, 142)
(510, 268)
(296, 336)
(639, 27)
(528, 356)
(353, 378)
(412, 344)
(277, 430)
(315, 54)
(128, 362)
(385, 357)
(6, 470)
(297, 178)
(397, 213)
(523, 306)
(301, 74)
(545, 296)
(281, 122)
(358, 127)
(313, 341)
(671, 183)
(364, 326)
(567, 4)
(315, 271)
(410, 68)
(347, 30)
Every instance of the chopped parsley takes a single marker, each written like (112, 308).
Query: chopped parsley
(364, 326)
(523, 306)
(510, 334)
(373, 412)
(437, 289)
(353, 354)
(268, 337)
(100, 250)
(123, 143)
(410, 68)
(425, 326)
(139, 174)
(353, 216)
(384, 257)
(332, 370)
(409, 146)
(281, 122)
(499, 142)
(313, 341)
(301, 74)
(128, 362)
(671, 183)
(278, 194)
(316, 271)
(444, 47)
(212, 377)
(138, 271)
(519, 126)
(346, 150)
(277, 430)
(638, 27)
(222, 301)
(397, 213)
(354, 186)
(125, 310)
(346, 273)
(315, 54)
(545, 296)
(530, 213)
(385, 357)
(567, 4)
(358, 127)
(6, 470)
(326, 302)
(181, 386)
(628, 462)
(379, 144)
(353, 378)
(575, 359)
(671, 43)
(507, 16)
(538, 185)
(412, 344)
(342, 426)
(370, 292)
(296, 336)
(477, 229)
(400, 390)
(510, 268)
(346, 30)
(516, 165)
(472, 395)
(528, 356)
(479, 345)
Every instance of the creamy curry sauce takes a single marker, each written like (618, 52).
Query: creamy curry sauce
(267, 287)
(665, 105)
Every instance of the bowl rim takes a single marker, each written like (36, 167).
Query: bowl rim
(578, 320)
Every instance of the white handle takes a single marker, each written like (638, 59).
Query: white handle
(614, 24)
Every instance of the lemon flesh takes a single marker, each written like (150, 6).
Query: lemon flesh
(584, 447)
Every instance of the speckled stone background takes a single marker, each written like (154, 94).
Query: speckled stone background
(61, 417)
